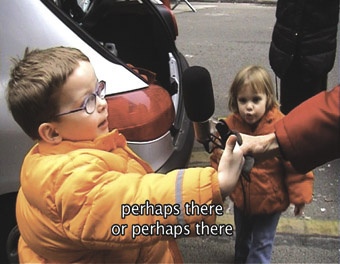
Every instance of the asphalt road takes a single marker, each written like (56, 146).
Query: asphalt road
(223, 38)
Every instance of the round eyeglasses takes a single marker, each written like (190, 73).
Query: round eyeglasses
(90, 103)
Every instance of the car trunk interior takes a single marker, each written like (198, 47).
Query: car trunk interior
(139, 37)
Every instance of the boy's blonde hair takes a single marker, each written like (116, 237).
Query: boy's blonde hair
(35, 82)
(258, 79)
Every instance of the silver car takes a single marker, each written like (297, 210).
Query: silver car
(112, 33)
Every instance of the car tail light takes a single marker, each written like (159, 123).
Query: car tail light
(141, 115)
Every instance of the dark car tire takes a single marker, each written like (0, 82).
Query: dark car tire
(12, 245)
(7, 205)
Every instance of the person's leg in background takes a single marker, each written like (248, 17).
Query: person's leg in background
(297, 86)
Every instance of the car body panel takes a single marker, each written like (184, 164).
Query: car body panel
(47, 30)
(36, 34)
(40, 24)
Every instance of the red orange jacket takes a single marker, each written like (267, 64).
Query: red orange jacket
(309, 135)
(274, 183)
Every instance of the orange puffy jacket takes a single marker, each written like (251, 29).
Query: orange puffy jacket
(274, 183)
(72, 193)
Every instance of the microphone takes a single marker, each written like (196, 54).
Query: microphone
(199, 105)
(199, 102)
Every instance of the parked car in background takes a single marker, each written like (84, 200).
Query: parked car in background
(112, 33)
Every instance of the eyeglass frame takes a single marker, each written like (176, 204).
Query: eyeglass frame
(101, 95)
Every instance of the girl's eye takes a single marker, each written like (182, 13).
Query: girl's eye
(242, 100)
(256, 99)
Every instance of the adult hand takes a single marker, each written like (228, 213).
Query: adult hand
(260, 147)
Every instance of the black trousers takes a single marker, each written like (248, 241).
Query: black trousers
(298, 85)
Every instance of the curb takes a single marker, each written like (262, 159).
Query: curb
(296, 226)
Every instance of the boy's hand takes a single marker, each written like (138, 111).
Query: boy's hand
(298, 210)
(215, 157)
(230, 166)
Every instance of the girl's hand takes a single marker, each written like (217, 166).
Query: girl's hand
(298, 210)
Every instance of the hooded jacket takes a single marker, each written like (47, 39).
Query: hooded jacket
(72, 193)
(305, 31)
(274, 184)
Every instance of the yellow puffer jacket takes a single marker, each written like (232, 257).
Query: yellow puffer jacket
(71, 194)
(274, 183)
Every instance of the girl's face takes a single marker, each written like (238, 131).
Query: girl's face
(251, 105)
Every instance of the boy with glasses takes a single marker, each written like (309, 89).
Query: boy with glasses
(75, 180)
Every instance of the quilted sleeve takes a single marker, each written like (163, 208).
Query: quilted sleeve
(310, 134)
(89, 199)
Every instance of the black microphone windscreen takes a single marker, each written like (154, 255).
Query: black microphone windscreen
(198, 94)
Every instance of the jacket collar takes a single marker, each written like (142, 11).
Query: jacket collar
(106, 142)
(265, 123)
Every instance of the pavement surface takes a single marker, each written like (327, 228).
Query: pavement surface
(312, 238)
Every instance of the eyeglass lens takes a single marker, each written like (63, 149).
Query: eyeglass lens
(90, 104)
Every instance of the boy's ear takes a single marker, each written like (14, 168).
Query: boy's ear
(49, 134)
